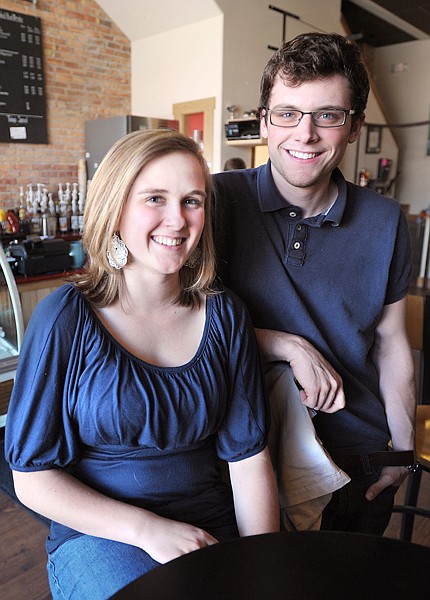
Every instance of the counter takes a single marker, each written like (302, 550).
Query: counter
(33, 288)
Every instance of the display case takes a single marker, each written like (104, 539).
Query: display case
(11, 331)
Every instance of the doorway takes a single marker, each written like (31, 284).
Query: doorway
(198, 116)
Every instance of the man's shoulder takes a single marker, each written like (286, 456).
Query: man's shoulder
(368, 199)
(233, 192)
(234, 178)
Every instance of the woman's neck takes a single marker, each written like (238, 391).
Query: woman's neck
(148, 293)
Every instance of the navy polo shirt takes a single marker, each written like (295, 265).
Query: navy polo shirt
(326, 278)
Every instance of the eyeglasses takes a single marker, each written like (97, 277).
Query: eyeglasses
(284, 117)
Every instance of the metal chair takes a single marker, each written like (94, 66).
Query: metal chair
(418, 331)
(410, 509)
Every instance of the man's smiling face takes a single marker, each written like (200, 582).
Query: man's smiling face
(306, 155)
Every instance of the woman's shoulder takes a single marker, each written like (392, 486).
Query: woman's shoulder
(65, 301)
(54, 321)
(227, 302)
(60, 297)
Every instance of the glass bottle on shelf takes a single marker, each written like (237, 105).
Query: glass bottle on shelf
(74, 219)
(63, 215)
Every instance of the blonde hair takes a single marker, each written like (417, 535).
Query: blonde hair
(107, 194)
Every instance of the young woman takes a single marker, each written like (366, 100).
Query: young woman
(136, 379)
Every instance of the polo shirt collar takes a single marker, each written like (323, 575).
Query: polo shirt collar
(270, 199)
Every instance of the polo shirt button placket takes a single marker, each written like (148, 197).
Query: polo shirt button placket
(296, 252)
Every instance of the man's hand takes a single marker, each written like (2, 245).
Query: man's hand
(389, 476)
(322, 387)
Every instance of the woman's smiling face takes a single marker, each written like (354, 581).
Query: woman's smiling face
(164, 215)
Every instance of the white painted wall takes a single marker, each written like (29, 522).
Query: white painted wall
(249, 28)
(177, 66)
(143, 18)
(406, 97)
(224, 57)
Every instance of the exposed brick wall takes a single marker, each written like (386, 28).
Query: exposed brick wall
(87, 64)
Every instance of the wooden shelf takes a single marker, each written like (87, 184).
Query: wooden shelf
(250, 142)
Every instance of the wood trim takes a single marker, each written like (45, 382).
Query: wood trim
(415, 321)
(207, 107)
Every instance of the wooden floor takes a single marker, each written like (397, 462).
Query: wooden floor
(23, 558)
(22, 554)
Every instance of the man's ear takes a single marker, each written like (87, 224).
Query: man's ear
(263, 124)
(356, 128)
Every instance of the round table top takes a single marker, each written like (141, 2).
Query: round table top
(310, 565)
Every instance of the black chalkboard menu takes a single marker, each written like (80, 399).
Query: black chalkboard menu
(22, 89)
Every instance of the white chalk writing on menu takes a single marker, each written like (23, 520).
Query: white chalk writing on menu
(22, 90)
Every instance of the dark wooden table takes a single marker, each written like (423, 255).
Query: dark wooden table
(314, 565)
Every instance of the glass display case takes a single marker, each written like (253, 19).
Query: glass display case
(11, 329)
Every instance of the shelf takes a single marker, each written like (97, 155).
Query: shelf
(6, 238)
(250, 142)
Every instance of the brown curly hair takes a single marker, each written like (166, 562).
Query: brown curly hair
(312, 56)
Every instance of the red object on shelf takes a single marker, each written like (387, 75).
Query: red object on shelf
(13, 221)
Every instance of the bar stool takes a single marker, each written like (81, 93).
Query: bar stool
(410, 509)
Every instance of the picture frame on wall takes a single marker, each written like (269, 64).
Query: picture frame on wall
(374, 138)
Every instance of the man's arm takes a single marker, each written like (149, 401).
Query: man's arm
(393, 358)
(322, 386)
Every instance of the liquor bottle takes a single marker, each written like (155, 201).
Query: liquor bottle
(63, 220)
(52, 216)
(81, 203)
(63, 216)
(74, 219)
(24, 221)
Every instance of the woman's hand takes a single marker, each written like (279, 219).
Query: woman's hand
(164, 539)
(60, 497)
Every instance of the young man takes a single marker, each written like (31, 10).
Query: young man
(324, 268)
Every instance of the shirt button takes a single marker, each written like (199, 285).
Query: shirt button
(296, 245)
(299, 227)
(293, 214)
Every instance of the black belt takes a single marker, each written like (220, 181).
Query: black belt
(366, 461)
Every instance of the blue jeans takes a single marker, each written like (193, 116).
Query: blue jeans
(90, 568)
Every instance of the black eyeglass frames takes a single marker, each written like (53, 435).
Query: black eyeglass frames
(325, 117)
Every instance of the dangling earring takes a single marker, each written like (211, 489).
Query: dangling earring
(117, 253)
(194, 259)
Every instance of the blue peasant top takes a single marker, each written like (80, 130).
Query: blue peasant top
(148, 435)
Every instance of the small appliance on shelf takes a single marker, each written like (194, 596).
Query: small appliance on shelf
(34, 256)
(245, 128)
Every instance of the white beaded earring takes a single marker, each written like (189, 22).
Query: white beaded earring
(117, 253)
